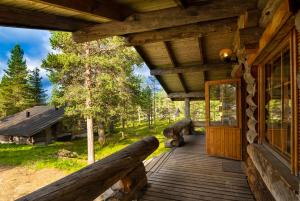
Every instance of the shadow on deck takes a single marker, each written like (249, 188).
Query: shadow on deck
(188, 173)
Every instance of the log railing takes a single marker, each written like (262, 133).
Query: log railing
(123, 171)
(175, 132)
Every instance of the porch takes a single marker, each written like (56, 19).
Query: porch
(188, 173)
(196, 50)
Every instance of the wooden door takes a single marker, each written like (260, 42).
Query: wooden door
(223, 118)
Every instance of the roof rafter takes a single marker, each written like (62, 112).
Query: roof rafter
(180, 95)
(166, 18)
(190, 69)
(174, 63)
(101, 9)
(32, 19)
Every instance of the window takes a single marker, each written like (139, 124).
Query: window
(278, 103)
(222, 105)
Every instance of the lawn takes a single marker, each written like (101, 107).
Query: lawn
(42, 156)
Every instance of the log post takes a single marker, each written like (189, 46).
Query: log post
(187, 108)
(91, 181)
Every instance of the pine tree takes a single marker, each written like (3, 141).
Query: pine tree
(15, 91)
(37, 92)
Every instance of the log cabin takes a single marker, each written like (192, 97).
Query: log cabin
(241, 56)
(36, 125)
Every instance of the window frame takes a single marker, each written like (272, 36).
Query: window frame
(287, 43)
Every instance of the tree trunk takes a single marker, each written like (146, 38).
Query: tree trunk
(149, 120)
(111, 127)
(139, 115)
(89, 121)
(101, 133)
(90, 140)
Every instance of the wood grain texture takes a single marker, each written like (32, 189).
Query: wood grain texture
(29, 19)
(165, 18)
(188, 173)
(224, 141)
(186, 31)
(97, 9)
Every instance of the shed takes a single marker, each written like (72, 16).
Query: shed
(39, 124)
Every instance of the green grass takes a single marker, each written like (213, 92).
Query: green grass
(42, 156)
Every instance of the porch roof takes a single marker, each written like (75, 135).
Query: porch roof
(179, 40)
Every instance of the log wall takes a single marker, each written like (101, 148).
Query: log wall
(274, 174)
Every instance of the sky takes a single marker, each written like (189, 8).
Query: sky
(36, 46)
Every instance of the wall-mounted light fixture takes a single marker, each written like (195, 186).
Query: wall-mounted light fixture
(227, 56)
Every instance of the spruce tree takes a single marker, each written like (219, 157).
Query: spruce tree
(37, 91)
(15, 93)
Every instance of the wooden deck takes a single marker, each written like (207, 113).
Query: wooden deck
(188, 173)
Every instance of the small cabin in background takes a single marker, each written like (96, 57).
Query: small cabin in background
(39, 124)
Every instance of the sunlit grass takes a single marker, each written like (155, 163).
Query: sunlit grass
(42, 156)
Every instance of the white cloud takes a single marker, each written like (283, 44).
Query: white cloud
(33, 63)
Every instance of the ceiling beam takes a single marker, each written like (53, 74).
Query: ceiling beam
(186, 31)
(201, 50)
(181, 3)
(16, 17)
(191, 69)
(202, 56)
(103, 9)
(166, 18)
(180, 95)
(174, 64)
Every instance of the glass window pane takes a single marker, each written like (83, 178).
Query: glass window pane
(222, 103)
(287, 104)
(278, 104)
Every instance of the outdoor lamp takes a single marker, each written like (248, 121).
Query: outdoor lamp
(225, 55)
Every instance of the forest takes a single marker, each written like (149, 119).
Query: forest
(99, 88)
(95, 82)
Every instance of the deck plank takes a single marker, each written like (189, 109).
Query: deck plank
(188, 173)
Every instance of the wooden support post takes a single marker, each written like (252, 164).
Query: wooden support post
(187, 108)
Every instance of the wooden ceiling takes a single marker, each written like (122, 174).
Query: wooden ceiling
(179, 40)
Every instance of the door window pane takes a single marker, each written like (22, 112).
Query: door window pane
(222, 105)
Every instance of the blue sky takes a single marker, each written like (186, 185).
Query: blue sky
(36, 46)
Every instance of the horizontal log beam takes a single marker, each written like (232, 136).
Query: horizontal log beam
(181, 95)
(16, 17)
(101, 9)
(249, 37)
(91, 181)
(166, 18)
(185, 31)
(190, 69)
